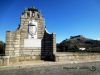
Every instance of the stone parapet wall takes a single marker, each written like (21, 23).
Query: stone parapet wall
(7, 60)
(71, 56)
(4, 60)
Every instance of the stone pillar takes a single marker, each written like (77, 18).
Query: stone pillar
(54, 43)
(17, 44)
(9, 51)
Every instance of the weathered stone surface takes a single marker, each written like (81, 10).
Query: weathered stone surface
(15, 40)
(65, 57)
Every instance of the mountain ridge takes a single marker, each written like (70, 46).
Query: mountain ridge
(74, 43)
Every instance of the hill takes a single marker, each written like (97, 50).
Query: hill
(79, 43)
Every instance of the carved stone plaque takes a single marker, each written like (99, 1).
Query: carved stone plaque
(32, 29)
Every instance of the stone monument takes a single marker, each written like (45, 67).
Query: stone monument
(31, 40)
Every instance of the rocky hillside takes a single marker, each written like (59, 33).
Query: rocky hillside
(79, 43)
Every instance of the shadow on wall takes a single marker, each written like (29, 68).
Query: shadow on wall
(47, 47)
(2, 48)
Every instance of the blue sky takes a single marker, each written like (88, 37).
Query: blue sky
(64, 17)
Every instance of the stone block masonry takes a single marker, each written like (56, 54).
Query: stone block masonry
(30, 41)
(77, 57)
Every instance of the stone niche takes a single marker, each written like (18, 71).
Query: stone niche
(31, 40)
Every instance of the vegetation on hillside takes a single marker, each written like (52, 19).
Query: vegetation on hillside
(76, 42)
